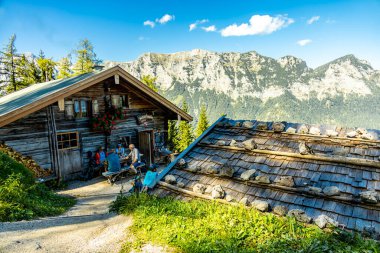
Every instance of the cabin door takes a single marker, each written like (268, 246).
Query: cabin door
(146, 146)
(70, 162)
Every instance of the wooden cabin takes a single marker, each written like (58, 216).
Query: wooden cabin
(58, 122)
(264, 165)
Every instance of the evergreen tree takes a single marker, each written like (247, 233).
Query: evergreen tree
(203, 123)
(185, 131)
(86, 58)
(46, 66)
(27, 71)
(8, 65)
(173, 141)
(150, 81)
(64, 67)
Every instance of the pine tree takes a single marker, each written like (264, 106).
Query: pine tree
(185, 131)
(173, 141)
(150, 81)
(86, 58)
(64, 67)
(27, 71)
(8, 65)
(203, 123)
(46, 66)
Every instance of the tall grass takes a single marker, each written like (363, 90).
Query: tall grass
(21, 198)
(206, 226)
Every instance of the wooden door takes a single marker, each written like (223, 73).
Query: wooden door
(70, 163)
(146, 146)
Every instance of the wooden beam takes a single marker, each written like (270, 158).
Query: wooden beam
(343, 160)
(137, 83)
(208, 197)
(194, 194)
(317, 137)
(117, 79)
(61, 94)
(187, 150)
(61, 105)
(295, 190)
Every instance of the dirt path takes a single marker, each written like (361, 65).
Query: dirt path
(86, 227)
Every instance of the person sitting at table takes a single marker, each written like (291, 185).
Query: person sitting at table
(113, 161)
(100, 156)
(120, 150)
(135, 157)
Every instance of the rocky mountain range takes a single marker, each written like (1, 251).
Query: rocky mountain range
(248, 85)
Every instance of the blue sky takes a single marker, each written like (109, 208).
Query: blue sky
(316, 31)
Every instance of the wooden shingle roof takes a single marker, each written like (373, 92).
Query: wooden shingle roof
(350, 164)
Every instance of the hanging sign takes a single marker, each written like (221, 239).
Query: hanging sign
(144, 119)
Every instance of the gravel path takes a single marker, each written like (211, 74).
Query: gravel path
(86, 227)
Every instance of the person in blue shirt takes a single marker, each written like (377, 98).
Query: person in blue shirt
(150, 178)
(120, 150)
(113, 162)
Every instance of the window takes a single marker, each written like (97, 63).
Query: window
(125, 101)
(125, 141)
(67, 140)
(81, 108)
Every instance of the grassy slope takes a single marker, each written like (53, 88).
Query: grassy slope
(21, 198)
(200, 226)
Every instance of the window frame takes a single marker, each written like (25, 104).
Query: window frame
(88, 103)
(69, 140)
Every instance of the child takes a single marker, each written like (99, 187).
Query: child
(150, 177)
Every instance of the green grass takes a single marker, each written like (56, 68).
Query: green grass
(21, 198)
(208, 226)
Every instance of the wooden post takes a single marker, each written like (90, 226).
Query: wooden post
(178, 120)
(61, 105)
(53, 143)
(117, 79)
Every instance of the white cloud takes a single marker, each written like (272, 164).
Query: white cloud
(165, 18)
(313, 19)
(304, 42)
(149, 23)
(210, 28)
(196, 23)
(192, 26)
(258, 24)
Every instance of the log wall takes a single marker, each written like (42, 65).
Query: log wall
(30, 135)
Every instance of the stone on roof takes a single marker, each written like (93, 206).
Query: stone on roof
(336, 182)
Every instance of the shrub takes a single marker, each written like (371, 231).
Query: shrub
(21, 198)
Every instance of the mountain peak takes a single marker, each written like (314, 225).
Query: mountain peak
(291, 61)
(348, 63)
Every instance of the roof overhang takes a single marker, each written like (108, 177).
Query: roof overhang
(34, 106)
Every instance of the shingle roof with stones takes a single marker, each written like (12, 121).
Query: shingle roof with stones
(350, 164)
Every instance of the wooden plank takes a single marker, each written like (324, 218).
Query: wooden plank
(188, 149)
(342, 160)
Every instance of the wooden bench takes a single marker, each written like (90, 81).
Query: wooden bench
(113, 176)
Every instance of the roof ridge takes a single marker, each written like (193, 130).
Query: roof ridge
(342, 132)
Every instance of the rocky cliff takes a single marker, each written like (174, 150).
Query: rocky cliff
(248, 85)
